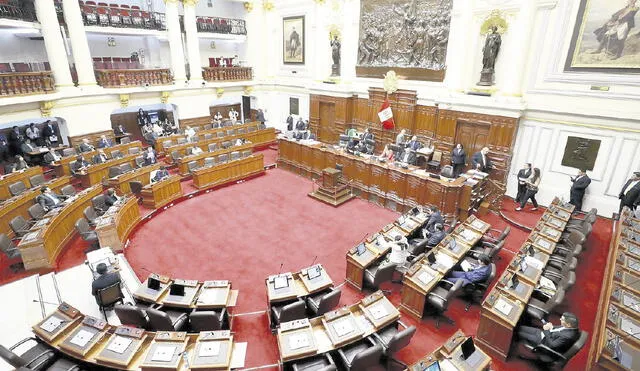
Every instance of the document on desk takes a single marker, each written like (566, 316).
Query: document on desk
(533, 262)
(503, 307)
(299, 340)
(445, 260)
(51, 324)
(379, 310)
(466, 266)
(210, 296)
(543, 243)
(468, 235)
(629, 327)
(425, 277)
(478, 224)
(630, 302)
(209, 349)
(119, 344)
(164, 353)
(82, 338)
(343, 326)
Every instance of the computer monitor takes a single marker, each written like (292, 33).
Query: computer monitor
(280, 282)
(176, 290)
(415, 211)
(432, 258)
(468, 348)
(531, 250)
(523, 266)
(314, 272)
(153, 283)
(452, 244)
(435, 366)
(361, 249)
(513, 282)
(401, 219)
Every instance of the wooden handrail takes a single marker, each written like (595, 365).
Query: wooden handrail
(227, 73)
(140, 77)
(26, 83)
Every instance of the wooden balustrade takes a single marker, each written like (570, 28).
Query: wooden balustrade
(130, 78)
(26, 83)
(227, 73)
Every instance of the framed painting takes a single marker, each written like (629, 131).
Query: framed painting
(293, 40)
(605, 38)
(581, 153)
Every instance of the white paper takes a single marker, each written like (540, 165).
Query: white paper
(51, 324)
(630, 302)
(468, 235)
(465, 265)
(379, 310)
(164, 353)
(503, 307)
(82, 338)
(209, 296)
(238, 354)
(297, 341)
(543, 243)
(629, 327)
(444, 259)
(425, 277)
(343, 327)
(119, 344)
(531, 261)
(478, 224)
(209, 349)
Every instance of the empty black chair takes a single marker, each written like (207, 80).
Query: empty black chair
(287, 312)
(116, 153)
(438, 299)
(36, 211)
(226, 144)
(166, 321)
(212, 147)
(207, 126)
(68, 190)
(541, 305)
(377, 274)
(208, 320)
(108, 297)
(223, 158)
(38, 357)
(208, 136)
(322, 303)
(11, 251)
(136, 189)
(114, 171)
(209, 162)
(126, 167)
(235, 155)
(320, 363)
(17, 188)
(37, 180)
(392, 341)
(139, 161)
(220, 134)
(19, 225)
(134, 150)
(447, 171)
(550, 359)
(88, 235)
(63, 364)
(361, 355)
(132, 315)
(91, 215)
(175, 156)
(99, 204)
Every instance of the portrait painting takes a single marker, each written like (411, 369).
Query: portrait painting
(293, 40)
(605, 37)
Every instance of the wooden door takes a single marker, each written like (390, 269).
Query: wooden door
(472, 136)
(327, 118)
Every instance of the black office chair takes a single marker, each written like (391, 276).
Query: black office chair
(541, 305)
(136, 189)
(114, 171)
(20, 226)
(116, 153)
(17, 188)
(375, 275)
(246, 153)
(90, 214)
(491, 236)
(68, 190)
(99, 204)
(438, 300)
(166, 321)
(132, 315)
(192, 166)
(12, 252)
(564, 278)
(320, 363)
(320, 304)
(223, 158)
(489, 249)
(36, 211)
(235, 155)
(108, 297)
(547, 358)
(436, 159)
(226, 144)
(360, 355)
(63, 364)
(209, 162)
(126, 167)
(392, 341)
(38, 357)
(88, 235)
(207, 320)
(139, 161)
(36, 180)
(475, 291)
(175, 156)
(287, 312)
(212, 147)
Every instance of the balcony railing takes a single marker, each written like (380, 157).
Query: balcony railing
(122, 16)
(221, 25)
(133, 78)
(12, 10)
(25, 83)
(227, 73)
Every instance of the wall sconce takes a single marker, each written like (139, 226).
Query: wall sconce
(111, 41)
(213, 45)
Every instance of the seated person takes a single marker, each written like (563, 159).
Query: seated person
(474, 274)
(85, 146)
(28, 147)
(433, 238)
(413, 144)
(558, 338)
(111, 197)
(169, 127)
(387, 154)
(104, 142)
(217, 119)
(79, 165)
(100, 157)
(399, 253)
(408, 157)
(21, 164)
(150, 156)
(158, 131)
(9, 167)
(119, 131)
(434, 218)
(400, 137)
(160, 174)
(51, 157)
(189, 133)
(49, 200)
(363, 146)
(105, 279)
(195, 150)
(352, 132)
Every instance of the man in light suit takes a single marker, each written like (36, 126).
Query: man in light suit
(150, 157)
(630, 194)
(523, 175)
(579, 186)
(476, 274)
(49, 200)
(413, 144)
(104, 142)
(558, 338)
(103, 281)
(99, 157)
(481, 161)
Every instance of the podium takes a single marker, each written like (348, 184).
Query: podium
(333, 190)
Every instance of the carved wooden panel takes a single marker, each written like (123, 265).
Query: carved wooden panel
(318, 160)
(397, 184)
(379, 178)
(425, 122)
(414, 190)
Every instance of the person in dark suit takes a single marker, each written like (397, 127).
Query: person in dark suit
(474, 274)
(143, 117)
(79, 165)
(300, 125)
(85, 146)
(630, 194)
(111, 197)
(408, 157)
(160, 174)
(104, 142)
(458, 160)
(50, 135)
(523, 175)
(481, 161)
(15, 141)
(260, 116)
(99, 157)
(150, 156)
(21, 164)
(434, 218)
(4, 148)
(290, 123)
(27, 146)
(49, 200)
(51, 157)
(105, 279)
(579, 185)
(119, 131)
(558, 338)
(436, 236)
(367, 135)
(413, 144)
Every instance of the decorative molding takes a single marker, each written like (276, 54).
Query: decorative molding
(189, 2)
(268, 5)
(390, 82)
(248, 5)
(248, 90)
(124, 100)
(164, 97)
(219, 92)
(171, 1)
(46, 107)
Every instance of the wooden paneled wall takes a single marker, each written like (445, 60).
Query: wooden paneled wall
(129, 120)
(224, 110)
(93, 138)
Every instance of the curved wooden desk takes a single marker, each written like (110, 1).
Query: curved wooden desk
(20, 176)
(114, 226)
(231, 171)
(95, 342)
(449, 355)
(159, 146)
(40, 247)
(18, 205)
(121, 182)
(95, 173)
(183, 162)
(62, 167)
(161, 193)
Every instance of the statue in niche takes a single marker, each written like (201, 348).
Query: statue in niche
(335, 55)
(489, 55)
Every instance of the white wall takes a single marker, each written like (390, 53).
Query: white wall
(20, 49)
(223, 48)
(156, 50)
(221, 8)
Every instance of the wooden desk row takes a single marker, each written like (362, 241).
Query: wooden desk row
(20, 176)
(449, 357)
(615, 344)
(183, 167)
(304, 338)
(298, 284)
(231, 171)
(97, 172)
(42, 245)
(160, 148)
(95, 342)
(118, 221)
(121, 182)
(62, 167)
(382, 183)
(423, 276)
(504, 305)
(158, 194)
(18, 205)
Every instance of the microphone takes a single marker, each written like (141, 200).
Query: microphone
(363, 238)
(45, 302)
(280, 270)
(314, 260)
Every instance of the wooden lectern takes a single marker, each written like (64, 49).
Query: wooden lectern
(332, 190)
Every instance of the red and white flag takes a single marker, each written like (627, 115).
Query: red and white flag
(386, 116)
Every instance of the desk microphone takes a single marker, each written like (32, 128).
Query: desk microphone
(45, 302)
(363, 238)
(280, 270)
(314, 260)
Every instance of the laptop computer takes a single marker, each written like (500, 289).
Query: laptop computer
(314, 272)
(523, 266)
(153, 283)
(360, 249)
(452, 244)
(176, 290)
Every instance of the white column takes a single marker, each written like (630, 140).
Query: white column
(79, 43)
(273, 30)
(350, 31)
(175, 41)
(514, 71)
(193, 43)
(318, 51)
(458, 46)
(53, 43)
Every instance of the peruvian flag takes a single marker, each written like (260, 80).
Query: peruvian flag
(386, 116)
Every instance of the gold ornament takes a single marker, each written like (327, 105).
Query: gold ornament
(268, 5)
(248, 90)
(334, 31)
(124, 100)
(46, 107)
(189, 2)
(248, 6)
(164, 97)
(390, 82)
(495, 18)
(219, 92)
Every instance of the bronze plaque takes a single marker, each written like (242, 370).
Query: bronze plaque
(581, 153)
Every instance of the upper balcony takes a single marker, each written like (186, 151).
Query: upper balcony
(12, 9)
(121, 16)
(225, 26)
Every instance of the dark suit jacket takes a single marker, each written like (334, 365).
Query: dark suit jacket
(434, 218)
(75, 166)
(46, 202)
(104, 143)
(458, 156)
(414, 145)
(435, 238)
(15, 138)
(411, 159)
(86, 147)
(524, 173)
(48, 158)
(118, 131)
(632, 198)
(260, 117)
(300, 125)
(579, 186)
(21, 165)
(369, 136)
(562, 340)
(48, 131)
(475, 275)
(104, 281)
(110, 200)
(98, 159)
(477, 159)
(161, 174)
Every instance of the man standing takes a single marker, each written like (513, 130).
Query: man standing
(480, 160)
(15, 141)
(523, 175)
(294, 43)
(103, 281)
(559, 338)
(33, 133)
(458, 160)
(579, 186)
(50, 135)
(630, 194)
(400, 137)
(260, 116)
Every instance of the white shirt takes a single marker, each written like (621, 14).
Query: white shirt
(399, 252)
(196, 150)
(33, 133)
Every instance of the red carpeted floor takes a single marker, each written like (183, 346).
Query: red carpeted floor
(244, 232)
